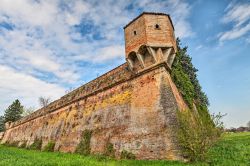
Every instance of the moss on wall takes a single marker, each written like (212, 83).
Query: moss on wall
(84, 145)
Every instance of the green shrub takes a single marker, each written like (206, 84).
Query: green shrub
(49, 147)
(84, 145)
(23, 145)
(36, 145)
(127, 155)
(197, 132)
(110, 150)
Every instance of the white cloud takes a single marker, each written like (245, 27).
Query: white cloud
(178, 10)
(235, 33)
(239, 15)
(31, 52)
(44, 43)
(31, 12)
(43, 31)
(103, 54)
(37, 25)
(15, 85)
(199, 47)
(111, 52)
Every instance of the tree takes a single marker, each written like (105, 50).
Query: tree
(28, 111)
(69, 90)
(185, 77)
(197, 129)
(2, 123)
(13, 112)
(248, 125)
(198, 132)
(43, 101)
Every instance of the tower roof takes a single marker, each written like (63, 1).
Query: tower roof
(150, 13)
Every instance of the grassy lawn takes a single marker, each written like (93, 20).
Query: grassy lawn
(232, 150)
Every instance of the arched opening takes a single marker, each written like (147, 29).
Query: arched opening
(133, 61)
(147, 57)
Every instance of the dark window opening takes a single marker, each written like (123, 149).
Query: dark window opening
(157, 26)
(134, 32)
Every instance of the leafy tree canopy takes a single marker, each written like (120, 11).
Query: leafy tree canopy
(248, 124)
(44, 101)
(13, 112)
(185, 77)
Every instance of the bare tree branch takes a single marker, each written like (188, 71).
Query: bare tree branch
(43, 101)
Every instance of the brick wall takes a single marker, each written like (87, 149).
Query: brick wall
(133, 112)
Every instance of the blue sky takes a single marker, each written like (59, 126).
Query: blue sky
(49, 47)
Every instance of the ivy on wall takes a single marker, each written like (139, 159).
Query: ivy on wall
(184, 75)
(197, 130)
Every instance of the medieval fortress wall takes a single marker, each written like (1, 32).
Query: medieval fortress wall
(132, 106)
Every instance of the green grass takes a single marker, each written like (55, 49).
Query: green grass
(232, 150)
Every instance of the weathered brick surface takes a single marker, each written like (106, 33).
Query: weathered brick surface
(162, 36)
(148, 34)
(135, 111)
(119, 74)
(137, 115)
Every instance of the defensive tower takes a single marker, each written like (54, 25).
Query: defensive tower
(149, 40)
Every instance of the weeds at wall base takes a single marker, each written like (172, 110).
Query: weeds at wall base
(197, 133)
(83, 147)
(127, 155)
(109, 151)
(23, 145)
(36, 145)
(49, 147)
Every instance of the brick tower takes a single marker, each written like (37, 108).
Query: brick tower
(149, 40)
